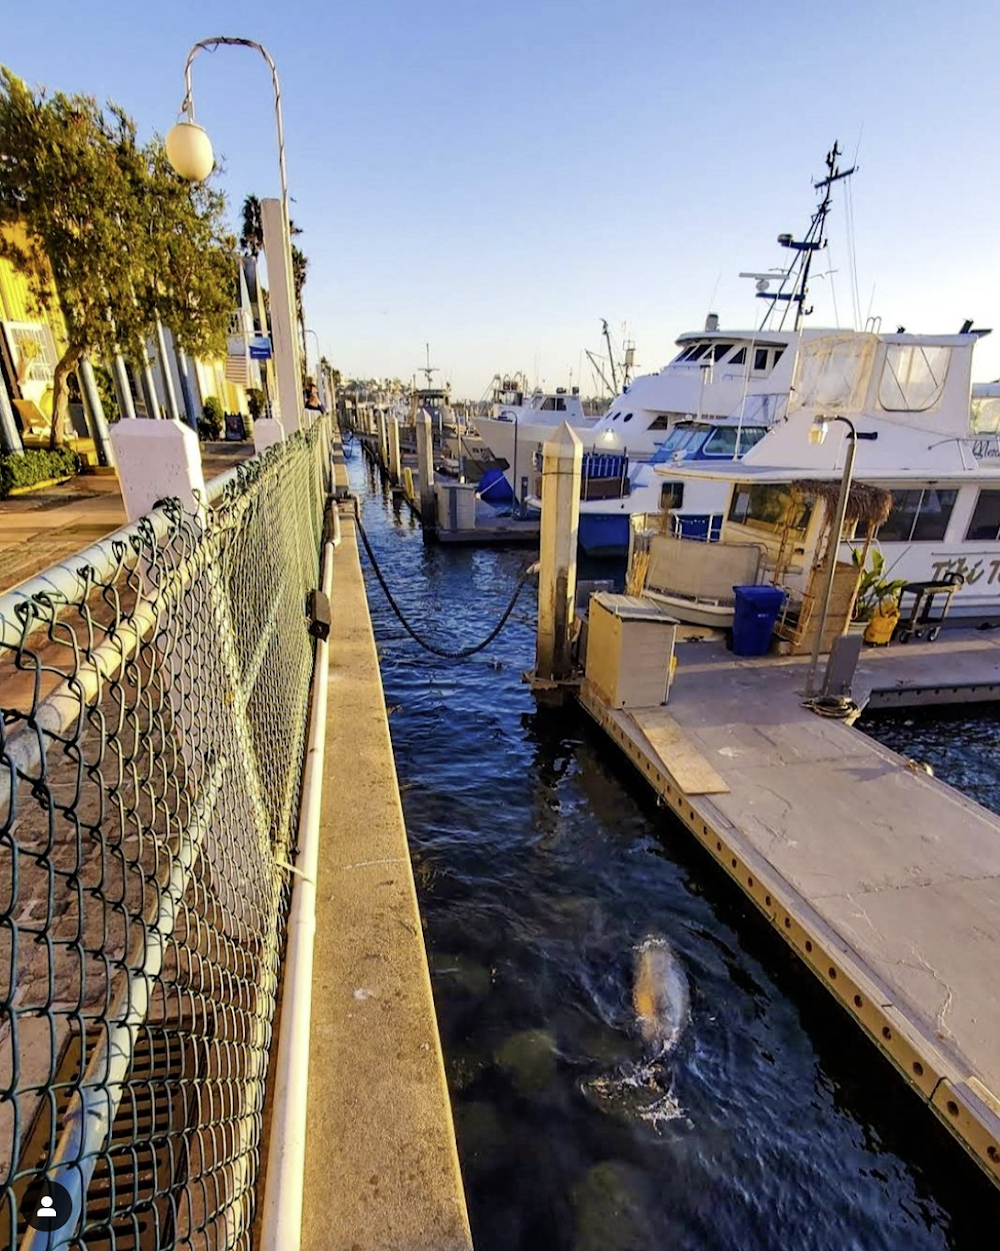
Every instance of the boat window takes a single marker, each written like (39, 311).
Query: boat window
(719, 351)
(985, 415)
(671, 495)
(749, 436)
(721, 442)
(740, 357)
(760, 359)
(664, 421)
(627, 417)
(698, 351)
(912, 377)
(918, 516)
(770, 507)
(778, 354)
(548, 404)
(560, 405)
(985, 524)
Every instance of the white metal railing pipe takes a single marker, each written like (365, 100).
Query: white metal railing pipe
(281, 1228)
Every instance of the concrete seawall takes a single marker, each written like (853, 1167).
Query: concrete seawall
(382, 1166)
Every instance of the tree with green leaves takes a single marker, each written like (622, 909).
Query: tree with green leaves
(107, 232)
(252, 234)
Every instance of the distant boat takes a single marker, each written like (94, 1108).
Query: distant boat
(519, 423)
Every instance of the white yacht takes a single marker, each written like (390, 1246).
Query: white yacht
(519, 423)
(924, 434)
(737, 380)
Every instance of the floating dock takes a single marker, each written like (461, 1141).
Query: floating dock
(883, 879)
(483, 525)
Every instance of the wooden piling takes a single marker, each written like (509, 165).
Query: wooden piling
(562, 461)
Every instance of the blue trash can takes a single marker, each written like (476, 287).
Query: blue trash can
(757, 609)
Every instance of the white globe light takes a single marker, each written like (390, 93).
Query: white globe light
(189, 151)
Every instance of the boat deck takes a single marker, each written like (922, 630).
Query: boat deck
(883, 879)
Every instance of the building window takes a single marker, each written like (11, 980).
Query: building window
(918, 516)
(770, 508)
(985, 524)
(671, 495)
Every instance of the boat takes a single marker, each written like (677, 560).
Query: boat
(739, 380)
(520, 421)
(926, 440)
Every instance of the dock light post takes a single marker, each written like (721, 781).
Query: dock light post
(189, 151)
(817, 434)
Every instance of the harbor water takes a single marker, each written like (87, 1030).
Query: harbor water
(564, 912)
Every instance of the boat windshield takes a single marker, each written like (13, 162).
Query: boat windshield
(705, 440)
(684, 437)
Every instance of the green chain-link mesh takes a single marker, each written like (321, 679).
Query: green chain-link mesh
(154, 693)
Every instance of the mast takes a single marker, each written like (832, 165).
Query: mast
(795, 280)
(428, 370)
(611, 355)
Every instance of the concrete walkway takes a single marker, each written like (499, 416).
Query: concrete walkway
(46, 527)
(382, 1171)
(884, 880)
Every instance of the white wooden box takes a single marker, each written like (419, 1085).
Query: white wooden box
(630, 645)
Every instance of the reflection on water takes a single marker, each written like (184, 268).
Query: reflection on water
(542, 863)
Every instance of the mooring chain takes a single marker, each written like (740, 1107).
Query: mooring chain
(445, 653)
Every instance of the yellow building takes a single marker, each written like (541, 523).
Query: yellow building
(32, 340)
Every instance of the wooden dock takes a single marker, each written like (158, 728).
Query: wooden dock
(883, 879)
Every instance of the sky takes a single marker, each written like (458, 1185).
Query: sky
(494, 179)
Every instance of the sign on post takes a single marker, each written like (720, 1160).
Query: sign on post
(260, 348)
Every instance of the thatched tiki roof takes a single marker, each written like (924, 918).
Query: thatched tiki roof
(868, 506)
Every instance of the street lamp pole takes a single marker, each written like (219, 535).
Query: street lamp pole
(187, 105)
(817, 434)
(190, 153)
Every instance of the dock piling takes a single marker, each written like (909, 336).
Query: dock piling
(395, 471)
(562, 461)
(425, 468)
(383, 438)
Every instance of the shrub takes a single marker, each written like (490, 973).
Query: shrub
(34, 467)
(255, 402)
(211, 421)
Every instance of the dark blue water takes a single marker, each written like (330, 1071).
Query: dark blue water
(542, 862)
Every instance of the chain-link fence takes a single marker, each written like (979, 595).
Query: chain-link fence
(154, 692)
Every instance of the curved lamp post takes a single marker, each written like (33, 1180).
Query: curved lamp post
(189, 148)
(817, 434)
(189, 151)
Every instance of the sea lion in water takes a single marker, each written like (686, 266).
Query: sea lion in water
(660, 995)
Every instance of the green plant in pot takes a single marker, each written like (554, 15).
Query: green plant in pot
(876, 593)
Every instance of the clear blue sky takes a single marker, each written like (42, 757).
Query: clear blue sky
(495, 178)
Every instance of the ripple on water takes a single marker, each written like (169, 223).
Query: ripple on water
(541, 862)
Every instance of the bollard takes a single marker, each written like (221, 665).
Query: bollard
(425, 468)
(395, 472)
(266, 432)
(158, 460)
(562, 460)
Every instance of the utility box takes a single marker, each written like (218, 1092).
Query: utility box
(630, 650)
(456, 505)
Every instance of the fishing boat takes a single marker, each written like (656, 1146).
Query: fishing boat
(923, 436)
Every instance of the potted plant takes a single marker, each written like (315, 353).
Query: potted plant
(877, 601)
